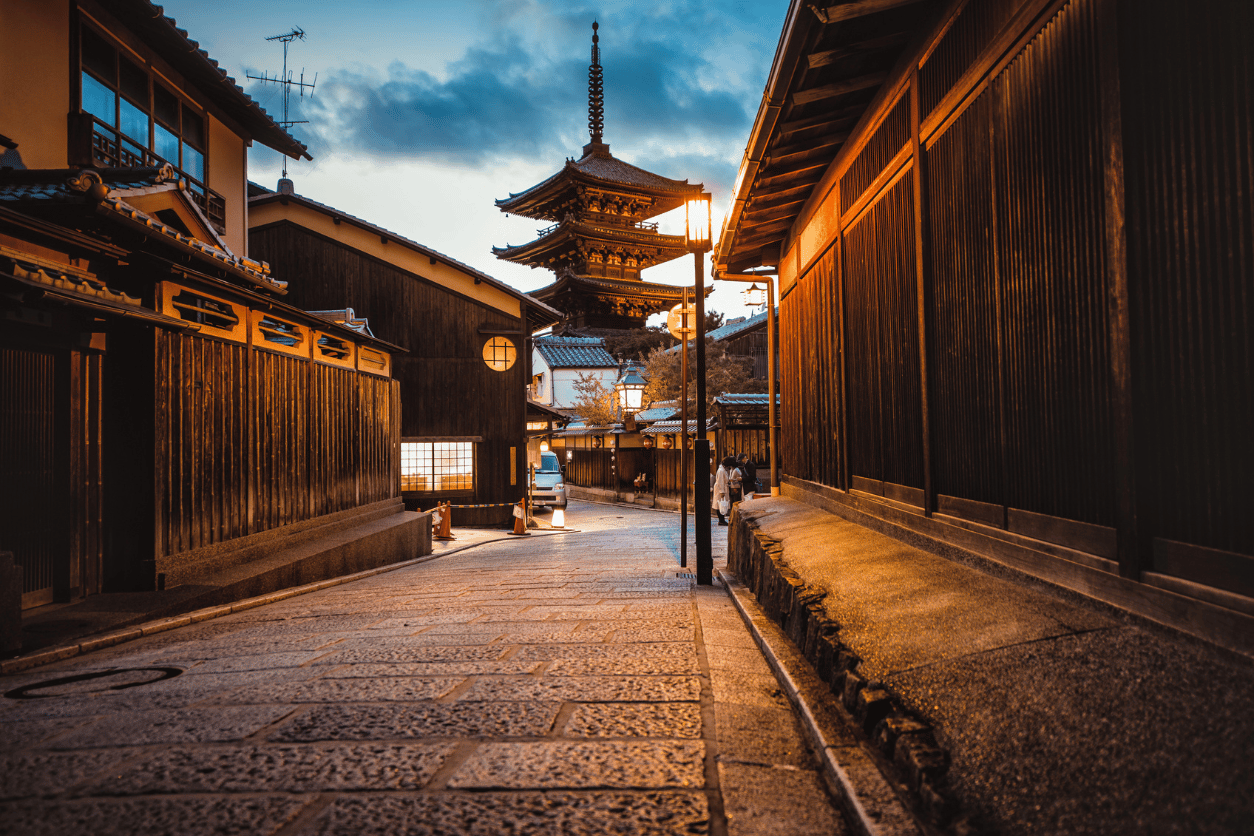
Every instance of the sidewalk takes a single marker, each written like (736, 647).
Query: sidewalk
(1002, 702)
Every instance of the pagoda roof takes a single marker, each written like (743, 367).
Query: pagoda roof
(662, 294)
(598, 168)
(561, 237)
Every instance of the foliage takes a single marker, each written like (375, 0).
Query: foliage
(723, 373)
(637, 344)
(594, 402)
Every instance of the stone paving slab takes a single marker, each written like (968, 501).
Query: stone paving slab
(561, 765)
(218, 816)
(405, 653)
(467, 668)
(421, 720)
(50, 773)
(546, 653)
(519, 814)
(276, 768)
(757, 803)
(173, 726)
(675, 720)
(390, 689)
(677, 665)
(585, 689)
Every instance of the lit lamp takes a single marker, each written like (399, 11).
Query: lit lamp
(630, 389)
(755, 297)
(697, 224)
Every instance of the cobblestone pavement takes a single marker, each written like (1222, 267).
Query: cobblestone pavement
(554, 684)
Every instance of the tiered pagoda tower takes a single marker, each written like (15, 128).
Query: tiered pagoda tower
(601, 237)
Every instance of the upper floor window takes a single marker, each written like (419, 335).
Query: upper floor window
(148, 119)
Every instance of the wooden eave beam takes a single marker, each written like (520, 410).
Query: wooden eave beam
(829, 120)
(786, 210)
(774, 197)
(825, 146)
(840, 88)
(858, 8)
(828, 57)
(750, 230)
(808, 175)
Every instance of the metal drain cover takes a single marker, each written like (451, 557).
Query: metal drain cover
(685, 575)
(113, 679)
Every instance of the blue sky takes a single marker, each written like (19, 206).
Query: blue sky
(427, 111)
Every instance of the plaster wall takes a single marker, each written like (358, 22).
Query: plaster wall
(34, 79)
(227, 174)
(564, 380)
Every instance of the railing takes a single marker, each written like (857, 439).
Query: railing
(112, 149)
(642, 226)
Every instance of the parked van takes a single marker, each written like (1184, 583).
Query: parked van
(550, 486)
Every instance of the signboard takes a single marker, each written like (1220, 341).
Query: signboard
(681, 322)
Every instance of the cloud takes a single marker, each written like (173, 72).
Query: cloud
(506, 98)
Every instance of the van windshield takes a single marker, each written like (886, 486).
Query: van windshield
(548, 464)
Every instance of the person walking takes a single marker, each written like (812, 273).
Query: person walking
(749, 471)
(735, 481)
(722, 496)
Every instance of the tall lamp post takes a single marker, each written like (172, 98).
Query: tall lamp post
(697, 235)
(771, 347)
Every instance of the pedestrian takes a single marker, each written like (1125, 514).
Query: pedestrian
(750, 472)
(735, 481)
(722, 499)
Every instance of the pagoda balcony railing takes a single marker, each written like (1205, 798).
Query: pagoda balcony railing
(641, 226)
(112, 149)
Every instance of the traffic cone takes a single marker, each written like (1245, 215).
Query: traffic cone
(520, 517)
(443, 521)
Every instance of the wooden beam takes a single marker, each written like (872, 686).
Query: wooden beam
(828, 121)
(840, 88)
(786, 210)
(751, 230)
(830, 56)
(807, 150)
(766, 198)
(858, 8)
(807, 176)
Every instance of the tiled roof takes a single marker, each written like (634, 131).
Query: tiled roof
(574, 352)
(657, 413)
(732, 329)
(348, 318)
(668, 427)
(613, 170)
(752, 399)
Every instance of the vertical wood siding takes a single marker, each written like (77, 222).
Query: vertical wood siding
(252, 440)
(1188, 84)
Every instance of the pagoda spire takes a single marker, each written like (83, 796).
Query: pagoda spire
(596, 99)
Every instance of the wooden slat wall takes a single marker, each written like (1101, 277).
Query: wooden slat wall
(29, 495)
(251, 440)
(591, 469)
(1021, 314)
(1188, 131)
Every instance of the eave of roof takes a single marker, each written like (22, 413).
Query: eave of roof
(603, 170)
(163, 35)
(539, 314)
(796, 141)
(567, 232)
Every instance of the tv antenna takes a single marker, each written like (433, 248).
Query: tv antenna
(288, 83)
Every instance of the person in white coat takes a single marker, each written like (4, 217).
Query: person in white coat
(722, 493)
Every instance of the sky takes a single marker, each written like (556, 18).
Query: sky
(426, 112)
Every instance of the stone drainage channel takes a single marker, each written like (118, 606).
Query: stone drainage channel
(549, 685)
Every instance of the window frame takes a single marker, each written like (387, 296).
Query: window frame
(471, 456)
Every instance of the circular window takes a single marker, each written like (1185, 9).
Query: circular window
(499, 353)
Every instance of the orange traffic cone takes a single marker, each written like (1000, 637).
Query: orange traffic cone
(442, 519)
(520, 517)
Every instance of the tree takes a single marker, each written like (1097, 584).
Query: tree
(594, 402)
(638, 342)
(723, 373)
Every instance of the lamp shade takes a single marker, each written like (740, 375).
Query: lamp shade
(697, 228)
(755, 296)
(630, 389)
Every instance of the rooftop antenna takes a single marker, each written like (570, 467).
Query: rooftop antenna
(286, 80)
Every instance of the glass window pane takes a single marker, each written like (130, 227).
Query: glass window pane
(99, 56)
(133, 82)
(133, 122)
(193, 128)
(165, 106)
(166, 144)
(193, 162)
(99, 100)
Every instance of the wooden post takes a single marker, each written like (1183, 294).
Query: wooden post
(920, 274)
(683, 443)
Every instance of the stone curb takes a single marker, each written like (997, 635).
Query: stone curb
(126, 634)
(852, 774)
(902, 739)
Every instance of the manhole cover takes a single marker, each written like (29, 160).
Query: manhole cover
(58, 626)
(114, 679)
(684, 575)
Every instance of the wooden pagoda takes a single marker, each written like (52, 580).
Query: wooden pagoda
(601, 237)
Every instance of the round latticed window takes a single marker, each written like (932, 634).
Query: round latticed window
(499, 353)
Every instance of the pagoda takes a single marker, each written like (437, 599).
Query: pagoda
(600, 238)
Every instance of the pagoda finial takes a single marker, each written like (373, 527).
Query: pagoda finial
(596, 93)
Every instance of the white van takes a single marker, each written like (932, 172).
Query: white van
(550, 486)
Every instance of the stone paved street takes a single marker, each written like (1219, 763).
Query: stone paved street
(565, 683)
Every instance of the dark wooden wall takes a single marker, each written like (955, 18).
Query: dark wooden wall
(985, 337)
(446, 388)
(248, 440)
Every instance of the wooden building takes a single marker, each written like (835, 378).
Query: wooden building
(164, 412)
(465, 374)
(1015, 241)
(747, 337)
(558, 363)
(601, 237)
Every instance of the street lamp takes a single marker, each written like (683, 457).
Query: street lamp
(697, 236)
(755, 297)
(630, 389)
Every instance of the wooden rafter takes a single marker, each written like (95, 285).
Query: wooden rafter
(828, 57)
(827, 121)
(769, 199)
(772, 213)
(805, 150)
(858, 8)
(839, 88)
(802, 176)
